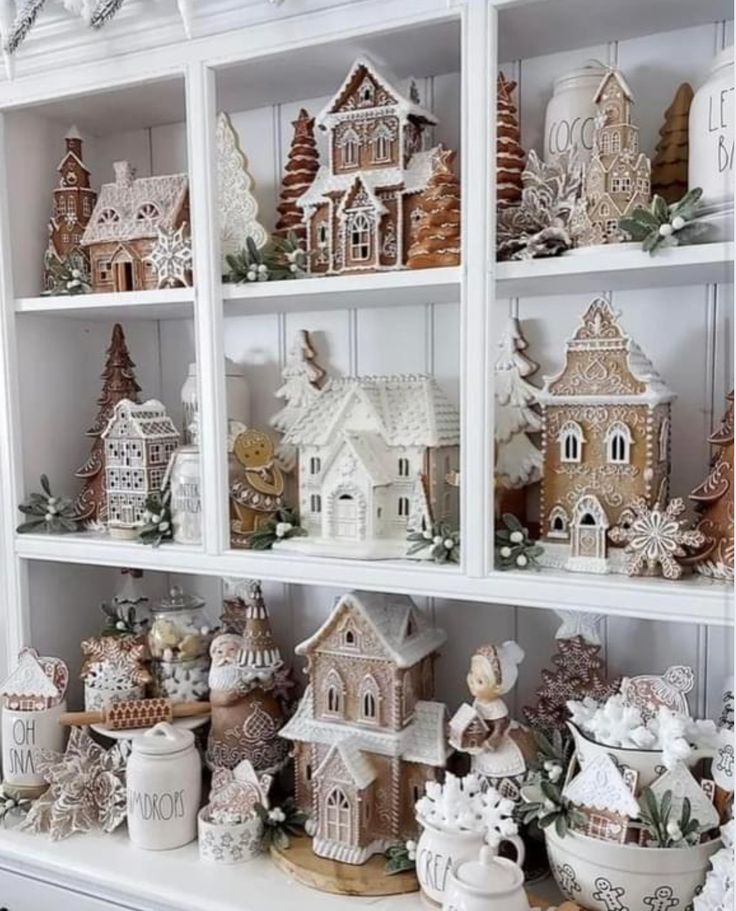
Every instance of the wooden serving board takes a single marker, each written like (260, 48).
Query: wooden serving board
(303, 865)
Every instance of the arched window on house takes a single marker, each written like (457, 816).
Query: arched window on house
(360, 237)
(558, 523)
(618, 442)
(571, 441)
(337, 816)
(368, 698)
(616, 141)
(350, 142)
(381, 140)
(334, 701)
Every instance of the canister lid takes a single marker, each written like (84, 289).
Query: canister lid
(592, 70)
(179, 600)
(489, 874)
(163, 739)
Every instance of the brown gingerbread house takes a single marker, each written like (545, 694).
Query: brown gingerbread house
(124, 227)
(605, 441)
(366, 734)
(361, 207)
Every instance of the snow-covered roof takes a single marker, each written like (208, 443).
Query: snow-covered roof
(600, 786)
(681, 782)
(29, 680)
(148, 421)
(356, 763)
(408, 410)
(597, 334)
(412, 179)
(404, 631)
(132, 208)
(364, 66)
(463, 718)
(422, 741)
(618, 76)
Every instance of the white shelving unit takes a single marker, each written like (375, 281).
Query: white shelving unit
(145, 93)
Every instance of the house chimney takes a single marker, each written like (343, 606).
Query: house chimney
(124, 173)
(74, 142)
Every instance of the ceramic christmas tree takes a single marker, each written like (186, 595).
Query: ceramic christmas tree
(715, 502)
(118, 383)
(618, 175)
(237, 204)
(302, 377)
(301, 169)
(436, 233)
(670, 164)
(578, 671)
(518, 461)
(509, 153)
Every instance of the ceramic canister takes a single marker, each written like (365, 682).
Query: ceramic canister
(22, 733)
(711, 134)
(236, 391)
(438, 851)
(568, 121)
(186, 496)
(164, 788)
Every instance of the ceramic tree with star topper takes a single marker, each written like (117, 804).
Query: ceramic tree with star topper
(509, 153)
(301, 169)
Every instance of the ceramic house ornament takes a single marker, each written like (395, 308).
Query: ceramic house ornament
(139, 442)
(605, 440)
(367, 735)
(500, 749)
(375, 455)
(123, 230)
(74, 202)
(360, 210)
(604, 798)
(618, 175)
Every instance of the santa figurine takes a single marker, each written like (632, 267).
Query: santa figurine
(248, 693)
(501, 750)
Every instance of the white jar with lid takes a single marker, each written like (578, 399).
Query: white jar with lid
(568, 121)
(487, 884)
(236, 391)
(164, 780)
(711, 135)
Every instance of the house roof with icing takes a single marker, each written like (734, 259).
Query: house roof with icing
(356, 763)
(364, 67)
(404, 632)
(422, 741)
(408, 411)
(681, 782)
(600, 786)
(618, 77)
(411, 179)
(29, 680)
(148, 421)
(598, 340)
(133, 208)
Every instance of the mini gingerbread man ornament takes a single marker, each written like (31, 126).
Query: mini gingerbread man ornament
(258, 494)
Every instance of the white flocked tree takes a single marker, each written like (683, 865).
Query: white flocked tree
(518, 461)
(302, 377)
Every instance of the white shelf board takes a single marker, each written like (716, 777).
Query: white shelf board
(692, 600)
(164, 303)
(609, 269)
(378, 289)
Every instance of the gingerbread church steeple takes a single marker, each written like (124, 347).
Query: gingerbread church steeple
(74, 201)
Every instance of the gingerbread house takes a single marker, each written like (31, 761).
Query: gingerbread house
(366, 734)
(124, 227)
(376, 457)
(361, 207)
(139, 442)
(604, 798)
(35, 684)
(605, 441)
(74, 202)
(618, 176)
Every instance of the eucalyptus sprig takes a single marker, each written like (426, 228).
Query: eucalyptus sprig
(664, 831)
(514, 548)
(12, 806)
(279, 259)
(47, 513)
(279, 823)
(663, 225)
(400, 858)
(443, 540)
(121, 620)
(551, 808)
(157, 525)
(285, 524)
(67, 277)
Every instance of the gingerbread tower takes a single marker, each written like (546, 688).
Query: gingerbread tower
(73, 204)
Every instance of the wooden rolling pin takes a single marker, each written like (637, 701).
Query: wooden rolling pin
(137, 713)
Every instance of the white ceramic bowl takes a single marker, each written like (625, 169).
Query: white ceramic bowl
(231, 844)
(601, 875)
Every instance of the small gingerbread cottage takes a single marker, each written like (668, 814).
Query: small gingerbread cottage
(376, 457)
(139, 442)
(124, 226)
(605, 441)
(361, 207)
(604, 799)
(35, 684)
(366, 734)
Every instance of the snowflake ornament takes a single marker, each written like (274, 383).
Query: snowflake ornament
(655, 537)
(172, 258)
(465, 805)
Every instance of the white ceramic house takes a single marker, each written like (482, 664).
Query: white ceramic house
(375, 454)
(139, 443)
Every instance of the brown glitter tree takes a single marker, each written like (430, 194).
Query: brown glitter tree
(510, 156)
(118, 383)
(436, 234)
(715, 504)
(578, 672)
(301, 169)
(669, 167)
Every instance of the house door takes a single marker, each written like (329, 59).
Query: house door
(589, 537)
(337, 817)
(124, 276)
(346, 517)
(127, 514)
